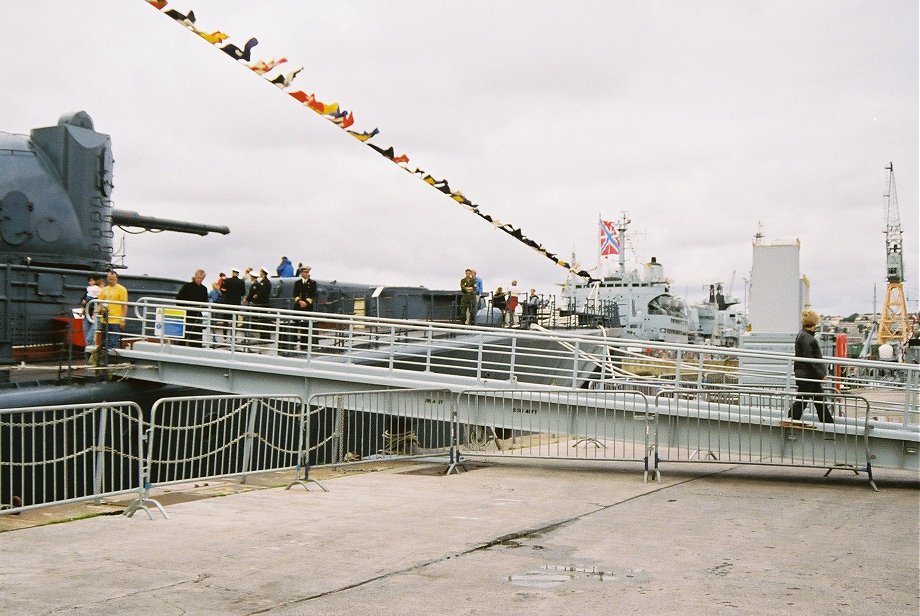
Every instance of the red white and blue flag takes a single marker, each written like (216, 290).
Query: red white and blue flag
(610, 238)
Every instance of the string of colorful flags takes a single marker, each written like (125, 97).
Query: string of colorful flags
(345, 120)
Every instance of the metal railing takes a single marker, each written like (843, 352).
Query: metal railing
(516, 355)
(65, 454)
(745, 426)
(192, 438)
(571, 358)
(569, 424)
(53, 455)
(348, 427)
(492, 352)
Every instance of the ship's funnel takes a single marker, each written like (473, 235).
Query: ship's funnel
(654, 272)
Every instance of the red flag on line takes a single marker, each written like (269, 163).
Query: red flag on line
(609, 238)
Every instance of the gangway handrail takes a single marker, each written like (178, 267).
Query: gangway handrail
(536, 330)
(527, 355)
(625, 343)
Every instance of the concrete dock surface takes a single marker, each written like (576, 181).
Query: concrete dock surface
(521, 537)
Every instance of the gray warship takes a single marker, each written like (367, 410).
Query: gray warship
(57, 225)
(718, 321)
(642, 305)
(56, 228)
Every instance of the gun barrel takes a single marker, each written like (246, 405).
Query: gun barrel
(134, 219)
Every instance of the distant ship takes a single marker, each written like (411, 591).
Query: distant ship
(718, 321)
(641, 304)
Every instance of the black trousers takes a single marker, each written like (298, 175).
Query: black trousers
(810, 391)
(193, 328)
(301, 331)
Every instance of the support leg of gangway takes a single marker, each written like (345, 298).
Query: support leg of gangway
(871, 478)
(709, 455)
(306, 481)
(588, 440)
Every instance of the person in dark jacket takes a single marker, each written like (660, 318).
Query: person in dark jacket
(259, 293)
(193, 291)
(498, 300)
(304, 297)
(808, 375)
(530, 309)
(468, 298)
(232, 290)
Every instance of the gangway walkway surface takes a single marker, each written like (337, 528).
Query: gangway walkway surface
(267, 351)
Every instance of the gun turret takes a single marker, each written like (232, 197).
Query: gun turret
(55, 198)
(56, 220)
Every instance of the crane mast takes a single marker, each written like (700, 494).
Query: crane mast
(894, 325)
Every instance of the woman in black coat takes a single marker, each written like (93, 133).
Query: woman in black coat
(808, 375)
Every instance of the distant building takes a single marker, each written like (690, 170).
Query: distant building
(778, 292)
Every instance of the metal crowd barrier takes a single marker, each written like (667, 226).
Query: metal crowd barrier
(569, 424)
(193, 438)
(53, 455)
(345, 428)
(748, 426)
(65, 454)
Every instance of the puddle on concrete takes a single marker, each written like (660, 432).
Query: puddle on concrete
(549, 576)
(539, 579)
(548, 551)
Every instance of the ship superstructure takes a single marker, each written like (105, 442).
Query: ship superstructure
(718, 321)
(640, 303)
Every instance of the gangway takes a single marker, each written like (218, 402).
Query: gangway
(245, 350)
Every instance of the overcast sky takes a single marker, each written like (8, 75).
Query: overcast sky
(704, 121)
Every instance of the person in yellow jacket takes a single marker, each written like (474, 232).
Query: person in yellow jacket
(113, 314)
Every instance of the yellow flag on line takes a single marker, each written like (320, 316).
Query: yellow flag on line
(214, 37)
(363, 136)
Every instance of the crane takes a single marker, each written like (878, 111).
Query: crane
(894, 325)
